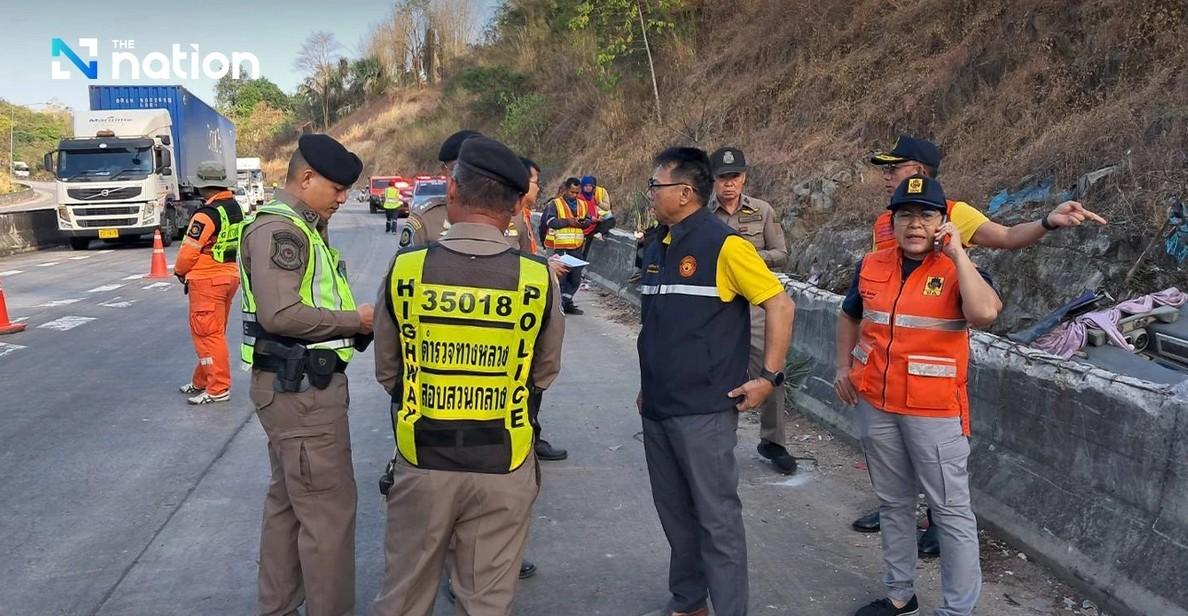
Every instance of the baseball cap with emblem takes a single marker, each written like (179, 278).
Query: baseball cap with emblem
(329, 158)
(728, 160)
(919, 190)
(211, 174)
(909, 148)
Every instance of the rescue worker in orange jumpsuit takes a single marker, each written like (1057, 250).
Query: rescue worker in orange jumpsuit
(206, 264)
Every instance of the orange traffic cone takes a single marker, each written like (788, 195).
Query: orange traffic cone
(6, 326)
(158, 269)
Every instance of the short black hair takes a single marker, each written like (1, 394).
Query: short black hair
(297, 164)
(479, 192)
(572, 182)
(929, 170)
(689, 165)
(530, 164)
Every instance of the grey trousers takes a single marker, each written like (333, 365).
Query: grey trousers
(694, 479)
(901, 451)
(771, 413)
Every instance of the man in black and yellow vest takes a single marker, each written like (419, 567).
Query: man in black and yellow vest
(469, 330)
(698, 283)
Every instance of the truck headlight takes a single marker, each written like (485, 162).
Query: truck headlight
(63, 213)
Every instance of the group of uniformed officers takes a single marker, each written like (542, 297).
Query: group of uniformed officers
(468, 335)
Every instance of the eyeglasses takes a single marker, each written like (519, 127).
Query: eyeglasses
(891, 169)
(653, 185)
(903, 217)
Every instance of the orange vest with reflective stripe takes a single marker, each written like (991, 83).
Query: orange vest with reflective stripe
(884, 233)
(912, 354)
(566, 238)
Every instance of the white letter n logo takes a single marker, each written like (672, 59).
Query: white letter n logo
(60, 48)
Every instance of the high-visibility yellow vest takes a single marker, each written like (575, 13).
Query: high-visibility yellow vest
(566, 238)
(324, 285)
(462, 402)
(226, 245)
(391, 198)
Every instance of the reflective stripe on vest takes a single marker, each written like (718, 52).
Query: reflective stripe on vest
(467, 357)
(884, 231)
(566, 238)
(322, 286)
(679, 289)
(913, 348)
(226, 244)
(391, 198)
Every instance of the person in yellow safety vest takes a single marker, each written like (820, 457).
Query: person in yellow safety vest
(561, 223)
(599, 205)
(391, 207)
(460, 348)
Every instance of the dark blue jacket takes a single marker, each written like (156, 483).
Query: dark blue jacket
(693, 347)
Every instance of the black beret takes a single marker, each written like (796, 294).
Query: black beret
(329, 158)
(451, 147)
(489, 158)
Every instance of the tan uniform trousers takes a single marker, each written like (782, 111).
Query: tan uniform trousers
(307, 541)
(771, 414)
(485, 516)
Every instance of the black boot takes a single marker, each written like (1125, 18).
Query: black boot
(571, 308)
(778, 456)
(868, 523)
(928, 543)
(545, 451)
(527, 569)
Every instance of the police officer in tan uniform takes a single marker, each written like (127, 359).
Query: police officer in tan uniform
(464, 471)
(429, 221)
(756, 221)
(295, 338)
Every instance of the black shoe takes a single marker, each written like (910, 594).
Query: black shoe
(884, 607)
(868, 523)
(778, 456)
(527, 569)
(545, 451)
(571, 309)
(928, 544)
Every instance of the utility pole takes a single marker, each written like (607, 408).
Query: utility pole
(643, 26)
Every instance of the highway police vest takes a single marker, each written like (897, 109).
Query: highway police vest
(226, 244)
(566, 238)
(693, 347)
(462, 402)
(391, 198)
(324, 285)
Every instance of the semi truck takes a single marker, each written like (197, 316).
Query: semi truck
(131, 165)
(250, 177)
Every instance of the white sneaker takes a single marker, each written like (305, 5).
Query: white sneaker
(207, 398)
(189, 388)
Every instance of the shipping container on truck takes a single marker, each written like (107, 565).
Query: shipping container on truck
(131, 166)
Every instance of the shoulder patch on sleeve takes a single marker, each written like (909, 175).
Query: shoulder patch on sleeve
(406, 236)
(286, 250)
(196, 228)
(414, 222)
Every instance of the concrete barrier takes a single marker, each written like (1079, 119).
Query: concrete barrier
(1084, 469)
(24, 231)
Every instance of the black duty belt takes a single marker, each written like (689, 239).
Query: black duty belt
(269, 363)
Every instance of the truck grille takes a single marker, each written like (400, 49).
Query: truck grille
(133, 210)
(113, 194)
(106, 222)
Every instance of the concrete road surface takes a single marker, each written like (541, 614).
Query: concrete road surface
(44, 198)
(116, 498)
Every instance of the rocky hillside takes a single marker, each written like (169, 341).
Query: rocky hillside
(1031, 101)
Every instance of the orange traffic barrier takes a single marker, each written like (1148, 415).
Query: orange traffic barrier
(6, 326)
(158, 268)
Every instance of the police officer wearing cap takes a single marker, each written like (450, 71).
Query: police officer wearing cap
(429, 222)
(912, 410)
(469, 328)
(757, 222)
(301, 328)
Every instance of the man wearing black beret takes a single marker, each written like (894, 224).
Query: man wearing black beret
(470, 329)
(301, 328)
(428, 223)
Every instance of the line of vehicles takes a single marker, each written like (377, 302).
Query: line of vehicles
(413, 193)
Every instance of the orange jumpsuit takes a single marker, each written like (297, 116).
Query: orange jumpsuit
(212, 286)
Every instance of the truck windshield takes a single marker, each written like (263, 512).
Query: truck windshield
(431, 189)
(98, 165)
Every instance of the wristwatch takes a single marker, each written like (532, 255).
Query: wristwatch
(1047, 224)
(776, 378)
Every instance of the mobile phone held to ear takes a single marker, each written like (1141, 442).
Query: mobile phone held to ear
(938, 244)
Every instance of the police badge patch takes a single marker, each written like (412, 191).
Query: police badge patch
(196, 229)
(934, 286)
(286, 250)
(406, 236)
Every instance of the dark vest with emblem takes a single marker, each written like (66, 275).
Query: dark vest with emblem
(693, 347)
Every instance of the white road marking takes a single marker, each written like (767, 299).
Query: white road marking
(59, 302)
(48, 264)
(65, 323)
(104, 288)
(134, 277)
(81, 257)
(6, 348)
(157, 285)
(112, 303)
(103, 252)
(19, 319)
(12, 272)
